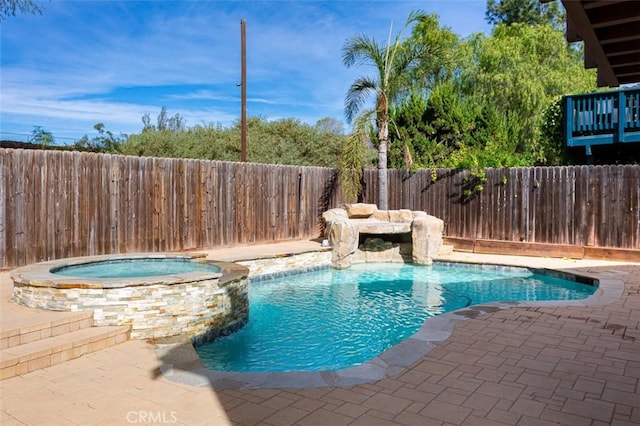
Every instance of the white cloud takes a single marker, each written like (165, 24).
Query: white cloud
(86, 62)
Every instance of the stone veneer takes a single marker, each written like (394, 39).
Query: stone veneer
(193, 303)
(273, 266)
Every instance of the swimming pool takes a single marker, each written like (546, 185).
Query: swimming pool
(334, 319)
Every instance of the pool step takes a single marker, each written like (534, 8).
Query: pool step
(34, 345)
(29, 325)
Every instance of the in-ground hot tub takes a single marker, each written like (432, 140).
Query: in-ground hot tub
(157, 294)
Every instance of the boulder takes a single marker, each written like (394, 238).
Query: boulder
(416, 236)
(360, 210)
(343, 237)
(426, 236)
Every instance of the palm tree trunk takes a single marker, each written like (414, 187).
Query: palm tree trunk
(383, 186)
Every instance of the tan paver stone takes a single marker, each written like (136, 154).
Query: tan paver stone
(349, 395)
(555, 415)
(536, 364)
(387, 403)
(445, 412)
(622, 410)
(314, 393)
(579, 368)
(413, 376)
(415, 395)
(528, 407)
(534, 421)
(619, 397)
(621, 386)
(385, 415)
(480, 421)
(498, 390)
(462, 358)
(491, 360)
(351, 410)
(489, 347)
(290, 416)
(324, 417)
(250, 413)
(277, 402)
(467, 384)
(452, 396)
(624, 355)
(589, 385)
(435, 367)
(503, 416)
(590, 408)
(490, 375)
(480, 402)
(413, 419)
(509, 341)
(308, 404)
(471, 370)
(331, 402)
(538, 380)
(369, 420)
(538, 394)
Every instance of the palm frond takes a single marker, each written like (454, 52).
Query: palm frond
(352, 157)
(360, 50)
(357, 95)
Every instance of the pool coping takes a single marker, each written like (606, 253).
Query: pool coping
(179, 362)
(40, 274)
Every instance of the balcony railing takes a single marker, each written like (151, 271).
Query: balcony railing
(601, 118)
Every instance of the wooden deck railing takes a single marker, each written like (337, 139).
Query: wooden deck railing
(602, 118)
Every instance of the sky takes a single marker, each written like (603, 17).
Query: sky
(85, 62)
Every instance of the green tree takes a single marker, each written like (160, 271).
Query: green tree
(285, 141)
(42, 137)
(517, 72)
(395, 63)
(330, 125)
(432, 128)
(13, 7)
(174, 123)
(106, 142)
(439, 55)
(531, 12)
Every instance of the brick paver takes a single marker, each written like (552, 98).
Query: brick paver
(521, 366)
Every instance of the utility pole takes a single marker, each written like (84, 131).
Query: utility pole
(243, 90)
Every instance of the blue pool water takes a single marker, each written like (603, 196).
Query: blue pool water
(332, 319)
(135, 268)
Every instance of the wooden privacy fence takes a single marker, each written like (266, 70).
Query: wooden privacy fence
(577, 205)
(61, 204)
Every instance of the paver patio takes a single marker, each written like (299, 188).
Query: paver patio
(577, 365)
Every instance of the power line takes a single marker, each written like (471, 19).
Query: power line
(29, 135)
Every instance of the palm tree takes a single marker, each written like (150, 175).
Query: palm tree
(394, 63)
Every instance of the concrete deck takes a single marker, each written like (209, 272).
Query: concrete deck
(523, 365)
